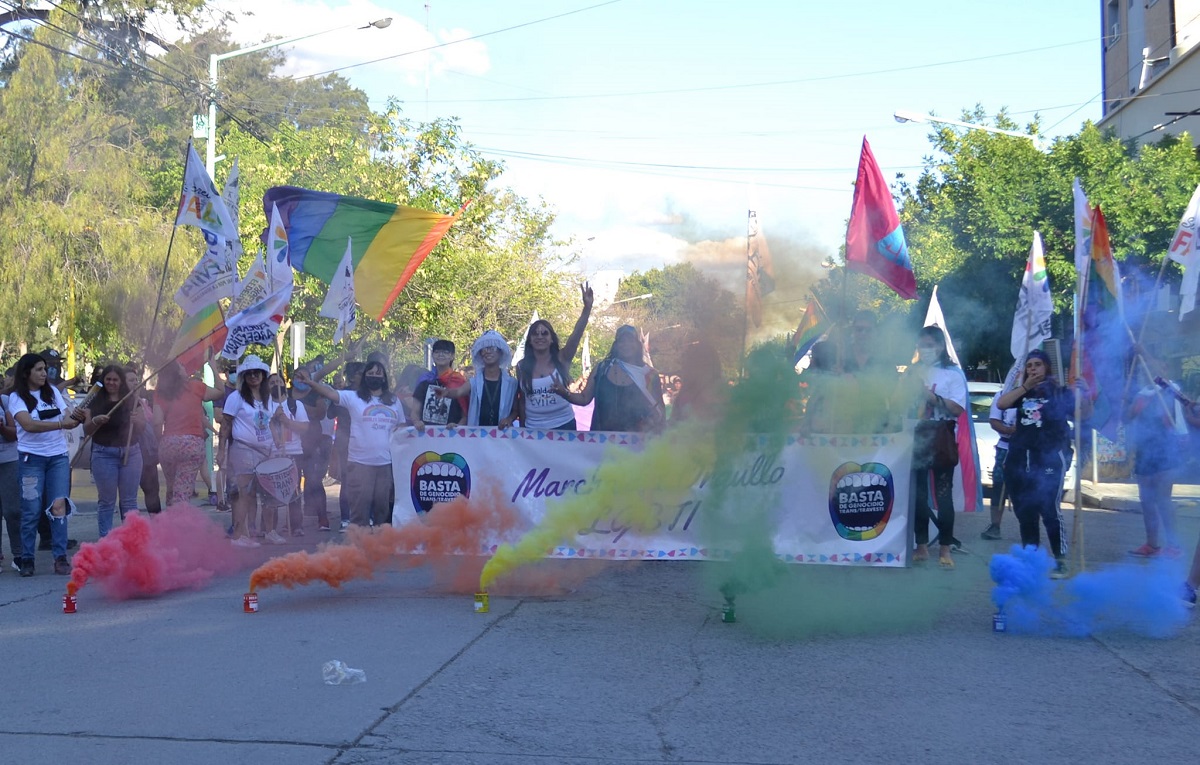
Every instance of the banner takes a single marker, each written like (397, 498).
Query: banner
(339, 300)
(1035, 307)
(199, 203)
(1183, 250)
(212, 278)
(258, 324)
(231, 195)
(836, 499)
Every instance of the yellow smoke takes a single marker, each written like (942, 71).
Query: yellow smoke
(635, 488)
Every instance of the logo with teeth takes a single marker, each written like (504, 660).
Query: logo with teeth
(860, 500)
(438, 478)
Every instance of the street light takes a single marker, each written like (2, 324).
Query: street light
(905, 116)
(211, 129)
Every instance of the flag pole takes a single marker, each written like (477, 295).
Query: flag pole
(162, 283)
(746, 313)
(1081, 287)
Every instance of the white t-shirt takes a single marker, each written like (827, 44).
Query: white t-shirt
(251, 422)
(1006, 416)
(49, 444)
(8, 449)
(950, 384)
(371, 426)
(291, 439)
(544, 408)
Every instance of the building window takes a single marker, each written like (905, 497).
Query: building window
(1112, 23)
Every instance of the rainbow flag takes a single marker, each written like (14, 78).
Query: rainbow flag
(201, 336)
(812, 326)
(389, 241)
(1104, 352)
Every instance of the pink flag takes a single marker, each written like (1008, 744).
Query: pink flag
(874, 240)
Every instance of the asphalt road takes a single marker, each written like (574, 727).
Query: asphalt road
(631, 665)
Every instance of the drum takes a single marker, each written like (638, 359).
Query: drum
(279, 477)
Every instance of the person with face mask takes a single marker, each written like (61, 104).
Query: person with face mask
(941, 398)
(1039, 453)
(374, 413)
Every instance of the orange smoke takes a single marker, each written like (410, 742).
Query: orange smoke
(450, 535)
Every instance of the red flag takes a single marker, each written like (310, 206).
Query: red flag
(874, 240)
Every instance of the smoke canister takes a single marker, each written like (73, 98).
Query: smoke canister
(69, 603)
(999, 621)
(728, 615)
(250, 603)
(481, 603)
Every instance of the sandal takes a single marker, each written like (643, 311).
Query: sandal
(946, 563)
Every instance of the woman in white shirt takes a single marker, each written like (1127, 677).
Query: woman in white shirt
(249, 435)
(544, 367)
(374, 413)
(942, 399)
(295, 430)
(44, 469)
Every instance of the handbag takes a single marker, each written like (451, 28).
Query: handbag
(934, 445)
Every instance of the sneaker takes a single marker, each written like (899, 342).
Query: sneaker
(273, 537)
(16, 564)
(345, 525)
(991, 532)
(1060, 571)
(297, 532)
(323, 528)
(62, 567)
(1189, 595)
(244, 542)
(1145, 551)
(958, 548)
(26, 567)
(212, 499)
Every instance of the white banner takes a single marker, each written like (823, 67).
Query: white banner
(339, 299)
(1035, 306)
(835, 499)
(199, 203)
(211, 279)
(231, 195)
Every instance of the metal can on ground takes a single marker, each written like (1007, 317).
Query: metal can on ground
(481, 603)
(69, 604)
(250, 602)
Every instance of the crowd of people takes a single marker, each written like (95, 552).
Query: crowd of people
(340, 425)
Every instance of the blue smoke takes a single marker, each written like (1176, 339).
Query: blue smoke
(1141, 599)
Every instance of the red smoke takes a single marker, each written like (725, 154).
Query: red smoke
(450, 536)
(179, 548)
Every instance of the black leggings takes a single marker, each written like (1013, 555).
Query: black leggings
(1035, 483)
(939, 501)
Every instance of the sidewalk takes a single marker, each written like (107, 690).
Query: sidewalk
(1123, 497)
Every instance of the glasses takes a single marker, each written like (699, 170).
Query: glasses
(543, 333)
(443, 353)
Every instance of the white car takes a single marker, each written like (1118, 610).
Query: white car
(980, 395)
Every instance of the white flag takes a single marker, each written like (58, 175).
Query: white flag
(519, 353)
(934, 318)
(231, 195)
(1083, 230)
(339, 300)
(278, 258)
(257, 324)
(1184, 247)
(212, 278)
(199, 204)
(252, 288)
(1035, 307)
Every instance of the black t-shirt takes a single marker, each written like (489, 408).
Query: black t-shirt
(115, 432)
(1043, 420)
(489, 401)
(453, 414)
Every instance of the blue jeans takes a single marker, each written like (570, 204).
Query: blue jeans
(115, 475)
(43, 480)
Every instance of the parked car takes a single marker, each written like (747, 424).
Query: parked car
(980, 395)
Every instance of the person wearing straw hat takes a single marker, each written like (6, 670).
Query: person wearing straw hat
(492, 392)
(247, 438)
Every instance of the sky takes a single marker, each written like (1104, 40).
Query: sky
(651, 126)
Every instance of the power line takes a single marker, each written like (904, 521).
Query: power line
(463, 40)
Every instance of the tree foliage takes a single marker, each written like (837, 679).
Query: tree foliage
(969, 220)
